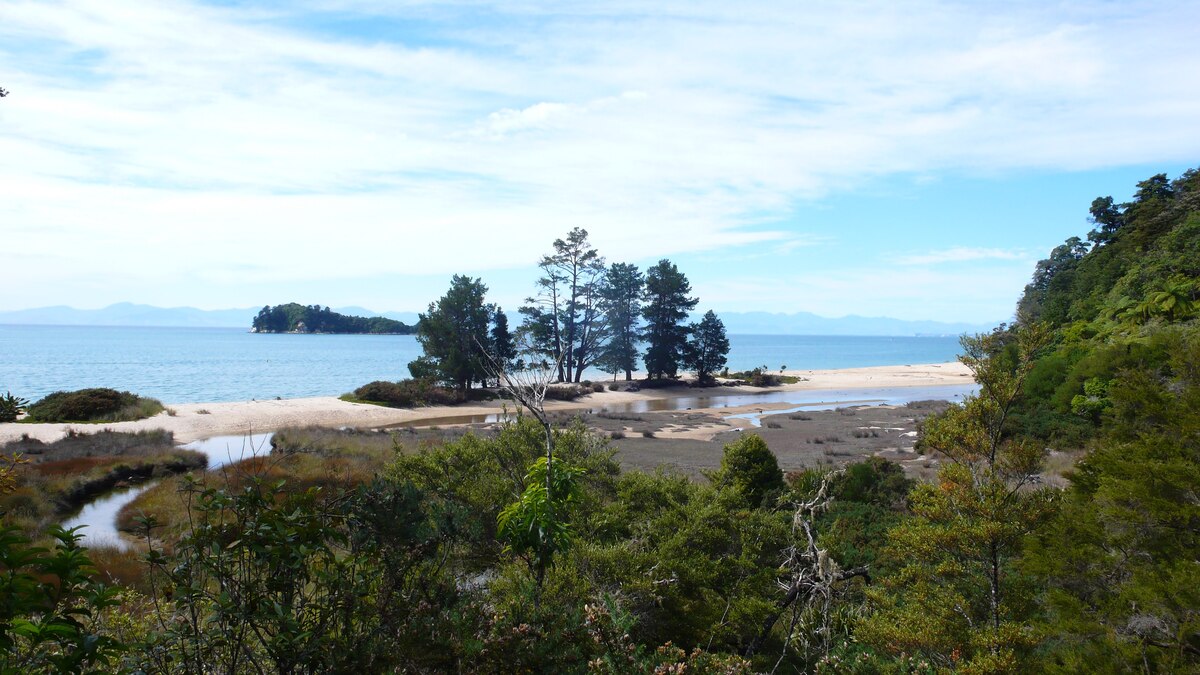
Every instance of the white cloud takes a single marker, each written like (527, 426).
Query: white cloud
(138, 131)
(960, 254)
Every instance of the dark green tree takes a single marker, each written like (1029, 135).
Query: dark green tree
(667, 306)
(749, 467)
(958, 579)
(454, 333)
(709, 347)
(1107, 218)
(503, 349)
(621, 297)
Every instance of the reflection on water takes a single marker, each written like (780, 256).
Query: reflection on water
(756, 417)
(222, 450)
(448, 420)
(100, 518)
(825, 398)
(831, 397)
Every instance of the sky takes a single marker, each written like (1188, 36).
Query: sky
(911, 159)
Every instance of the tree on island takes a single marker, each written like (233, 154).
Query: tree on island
(708, 351)
(621, 298)
(452, 333)
(667, 305)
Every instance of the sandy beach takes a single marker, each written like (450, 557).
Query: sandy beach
(194, 421)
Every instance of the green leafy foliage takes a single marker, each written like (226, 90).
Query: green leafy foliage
(958, 578)
(1119, 562)
(50, 608)
(749, 467)
(621, 300)
(537, 526)
(11, 407)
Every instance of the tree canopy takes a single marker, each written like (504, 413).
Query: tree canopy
(666, 308)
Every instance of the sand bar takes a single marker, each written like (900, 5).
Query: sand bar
(194, 421)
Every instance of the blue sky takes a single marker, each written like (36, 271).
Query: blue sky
(899, 159)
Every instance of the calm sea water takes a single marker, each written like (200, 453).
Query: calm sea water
(182, 365)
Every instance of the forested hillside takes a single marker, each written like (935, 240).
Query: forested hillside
(1118, 299)
(297, 318)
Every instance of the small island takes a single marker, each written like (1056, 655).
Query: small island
(296, 318)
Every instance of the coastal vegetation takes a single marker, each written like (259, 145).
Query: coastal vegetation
(525, 548)
(12, 407)
(583, 314)
(51, 480)
(296, 318)
(93, 406)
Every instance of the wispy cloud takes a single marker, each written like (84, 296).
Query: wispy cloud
(466, 136)
(960, 254)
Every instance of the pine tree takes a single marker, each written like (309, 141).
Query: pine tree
(503, 350)
(621, 297)
(667, 305)
(453, 332)
(709, 348)
(565, 318)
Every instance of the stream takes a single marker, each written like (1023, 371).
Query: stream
(99, 518)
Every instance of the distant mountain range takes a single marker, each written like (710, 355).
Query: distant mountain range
(762, 323)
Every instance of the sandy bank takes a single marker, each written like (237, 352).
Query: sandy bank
(193, 421)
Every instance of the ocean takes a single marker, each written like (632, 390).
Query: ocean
(193, 365)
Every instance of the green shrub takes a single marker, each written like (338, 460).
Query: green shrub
(568, 392)
(93, 405)
(11, 407)
(750, 467)
(404, 394)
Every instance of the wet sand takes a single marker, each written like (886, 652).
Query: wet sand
(194, 421)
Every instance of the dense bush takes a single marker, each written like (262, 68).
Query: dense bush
(750, 467)
(405, 393)
(568, 392)
(93, 405)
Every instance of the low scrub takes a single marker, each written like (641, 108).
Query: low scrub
(761, 378)
(93, 405)
(566, 392)
(105, 443)
(403, 394)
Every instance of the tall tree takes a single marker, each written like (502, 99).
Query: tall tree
(565, 315)
(621, 297)
(958, 579)
(503, 349)
(667, 305)
(709, 348)
(453, 332)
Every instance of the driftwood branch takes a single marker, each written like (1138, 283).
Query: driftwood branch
(812, 575)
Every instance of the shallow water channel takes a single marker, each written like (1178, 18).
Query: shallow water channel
(807, 400)
(99, 518)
